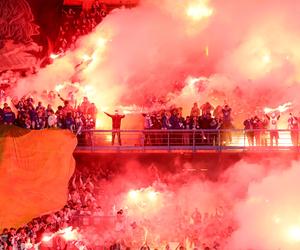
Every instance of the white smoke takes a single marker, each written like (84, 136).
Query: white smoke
(247, 50)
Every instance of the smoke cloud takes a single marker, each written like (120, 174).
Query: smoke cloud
(247, 51)
(268, 217)
(243, 52)
(258, 202)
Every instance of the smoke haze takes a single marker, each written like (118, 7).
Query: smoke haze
(247, 51)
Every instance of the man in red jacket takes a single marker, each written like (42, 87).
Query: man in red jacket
(116, 125)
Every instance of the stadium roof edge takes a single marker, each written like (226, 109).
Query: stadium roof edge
(108, 2)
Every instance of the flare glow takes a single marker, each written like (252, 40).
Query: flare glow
(199, 12)
(281, 108)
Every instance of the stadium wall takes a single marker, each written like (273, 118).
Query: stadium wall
(212, 164)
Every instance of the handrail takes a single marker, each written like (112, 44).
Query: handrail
(188, 130)
(189, 139)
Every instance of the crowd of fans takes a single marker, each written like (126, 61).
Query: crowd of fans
(113, 229)
(84, 201)
(211, 126)
(33, 235)
(27, 114)
(77, 23)
(205, 120)
(205, 125)
(259, 129)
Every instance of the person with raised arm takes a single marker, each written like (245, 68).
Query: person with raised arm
(273, 126)
(116, 125)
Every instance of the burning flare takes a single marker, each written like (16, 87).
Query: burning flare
(199, 10)
(281, 108)
(69, 234)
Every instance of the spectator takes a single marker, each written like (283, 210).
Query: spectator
(67, 108)
(226, 125)
(187, 136)
(8, 116)
(147, 126)
(264, 126)
(194, 123)
(92, 110)
(40, 107)
(60, 121)
(195, 111)
(294, 126)
(175, 137)
(227, 115)
(249, 131)
(49, 109)
(218, 112)
(116, 125)
(33, 116)
(204, 122)
(174, 120)
(166, 120)
(27, 122)
(206, 108)
(273, 126)
(40, 121)
(90, 123)
(147, 121)
(5, 107)
(256, 126)
(52, 119)
(84, 105)
(214, 125)
(78, 123)
(69, 122)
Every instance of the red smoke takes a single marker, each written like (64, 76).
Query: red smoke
(248, 51)
(244, 52)
(259, 201)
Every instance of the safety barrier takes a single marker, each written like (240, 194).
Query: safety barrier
(190, 140)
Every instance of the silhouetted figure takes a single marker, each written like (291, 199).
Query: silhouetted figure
(294, 126)
(116, 125)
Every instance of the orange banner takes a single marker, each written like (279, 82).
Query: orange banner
(35, 168)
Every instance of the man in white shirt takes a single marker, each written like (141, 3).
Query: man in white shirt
(52, 120)
(273, 126)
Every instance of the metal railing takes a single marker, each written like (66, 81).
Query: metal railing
(190, 140)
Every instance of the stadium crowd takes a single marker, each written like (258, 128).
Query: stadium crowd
(212, 126)
(29, 114)
(77, 23)
(205, 125)
(26, 113)
(110, 228)
(206, 232)
(256, 129)
(81, 201)
(206, 120)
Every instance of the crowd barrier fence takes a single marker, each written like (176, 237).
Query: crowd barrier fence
(189, 140)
